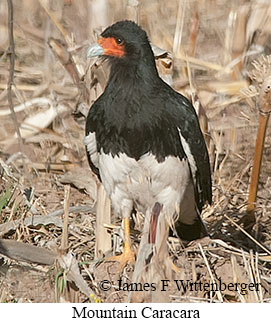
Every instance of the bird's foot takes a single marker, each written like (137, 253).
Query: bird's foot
(127, 257)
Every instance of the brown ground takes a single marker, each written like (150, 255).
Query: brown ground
(32, 186)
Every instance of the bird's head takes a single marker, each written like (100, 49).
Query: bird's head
(124, 41)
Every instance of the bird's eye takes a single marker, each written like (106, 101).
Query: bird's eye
(119, 41)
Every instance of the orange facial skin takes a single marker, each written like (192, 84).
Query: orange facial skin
(110, 47)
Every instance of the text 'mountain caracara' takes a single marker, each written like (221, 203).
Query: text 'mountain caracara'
(144, 142)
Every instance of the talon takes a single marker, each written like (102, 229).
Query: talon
(127, 257)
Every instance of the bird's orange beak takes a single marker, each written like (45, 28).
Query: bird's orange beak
(105, 46)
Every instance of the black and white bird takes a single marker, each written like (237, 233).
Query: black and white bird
(144, 142)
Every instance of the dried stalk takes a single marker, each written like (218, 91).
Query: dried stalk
(265, 110)
(67, 60)
(179, 27)
(239, 39)
(254, 181)
(62, 30)
(64, 241)
(11, 54)
(103, 216)
(193, 32)
(201, 64)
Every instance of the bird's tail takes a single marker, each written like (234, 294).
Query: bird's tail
(189, 232)
(189, 225)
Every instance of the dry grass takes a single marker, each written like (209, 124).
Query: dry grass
(53, 89)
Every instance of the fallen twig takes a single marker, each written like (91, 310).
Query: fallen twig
(36, 220)
(25, 252)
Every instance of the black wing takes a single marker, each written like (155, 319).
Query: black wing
(195, 149)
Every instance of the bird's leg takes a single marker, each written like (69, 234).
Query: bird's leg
(127, 256)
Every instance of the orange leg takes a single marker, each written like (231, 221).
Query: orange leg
(127, 256)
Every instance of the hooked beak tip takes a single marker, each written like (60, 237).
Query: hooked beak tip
(94, 50)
